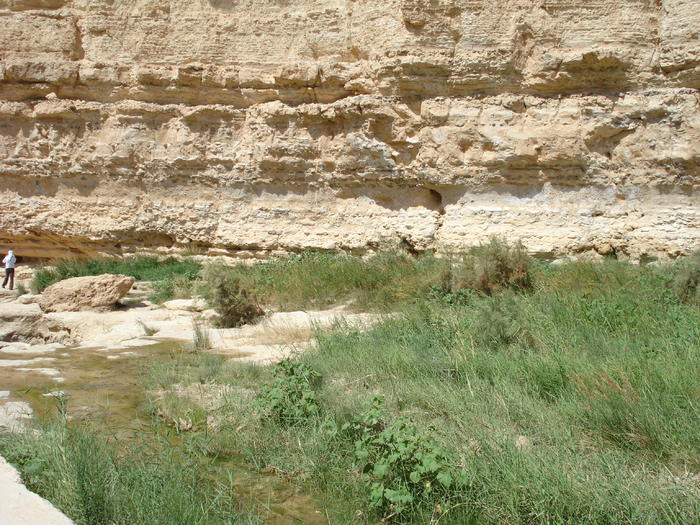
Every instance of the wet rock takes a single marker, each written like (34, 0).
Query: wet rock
(77, 294)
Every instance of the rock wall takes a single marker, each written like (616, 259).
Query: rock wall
(249, 127)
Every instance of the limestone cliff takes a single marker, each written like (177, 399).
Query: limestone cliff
(257, 126)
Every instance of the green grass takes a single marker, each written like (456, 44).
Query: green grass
(574, 403)
(172, 276)
(313, 280)
(569, 396)
(318, 280)
(94, 481)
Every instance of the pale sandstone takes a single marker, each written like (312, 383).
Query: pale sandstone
(22, 323)
(252, 127)
(187, 305)
(85, 293)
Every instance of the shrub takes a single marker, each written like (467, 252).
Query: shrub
(290, 398)
(491, 267)
(406, 469)
(686, 283)
(498, 323)
(226, 293)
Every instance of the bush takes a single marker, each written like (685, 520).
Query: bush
(290, 398)
(499, 323)
(226, 293)
(491, 267)
(686, 283)
(406, 469)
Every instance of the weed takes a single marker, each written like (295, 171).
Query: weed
(201, 337)
(95, 482)
(141, 268)
(317, 280)
(491, 267)
(290, 399)
(499, 324)
(227, 293)
(406, 469)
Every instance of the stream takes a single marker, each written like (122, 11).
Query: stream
(102, 385)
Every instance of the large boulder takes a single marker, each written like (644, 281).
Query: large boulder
(78, 294)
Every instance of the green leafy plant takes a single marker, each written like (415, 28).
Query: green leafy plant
(290, 398)
(405, 467)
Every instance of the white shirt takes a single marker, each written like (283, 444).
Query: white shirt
(9, 261)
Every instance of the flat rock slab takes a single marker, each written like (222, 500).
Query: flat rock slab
(188, 305)
(20, 322)
(19, 506)
(13, 415)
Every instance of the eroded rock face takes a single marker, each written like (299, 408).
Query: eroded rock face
(22, 322)
(85, 293)
(252, 127)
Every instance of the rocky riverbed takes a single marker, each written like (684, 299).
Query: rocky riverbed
(93, 358)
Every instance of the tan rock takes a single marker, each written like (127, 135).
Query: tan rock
(85, 293)
(187, 305)
(28, 298)
(22, 322)
(253, 128)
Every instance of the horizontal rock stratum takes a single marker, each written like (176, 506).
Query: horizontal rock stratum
(249, 127)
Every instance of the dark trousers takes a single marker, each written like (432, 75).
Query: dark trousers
(9, 276)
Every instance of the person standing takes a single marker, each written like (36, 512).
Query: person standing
(9, 261)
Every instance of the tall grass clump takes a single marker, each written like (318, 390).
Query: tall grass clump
(93, 482)
(491, 267)
(142, 268)
(201, 336)
(318, 279)
(686, 282)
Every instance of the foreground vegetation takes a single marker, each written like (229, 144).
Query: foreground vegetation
(96, 480)
(504, 391)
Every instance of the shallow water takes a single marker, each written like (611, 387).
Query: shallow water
(102, 385)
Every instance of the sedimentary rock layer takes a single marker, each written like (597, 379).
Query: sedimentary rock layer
(254, 127)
